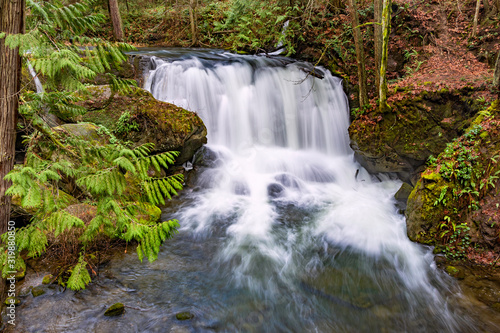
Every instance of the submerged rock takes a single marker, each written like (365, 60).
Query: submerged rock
(114, 310)
(38, 291)
(186, 315)
(275, 190)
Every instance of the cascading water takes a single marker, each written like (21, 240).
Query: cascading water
(300, 217)
(282, 230)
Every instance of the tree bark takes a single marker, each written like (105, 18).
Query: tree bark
(386, 26)
(116, 19)
(360, 53)
(496, 76)
(193, 19)
(377, 39)
(11, 22)
(476, 16)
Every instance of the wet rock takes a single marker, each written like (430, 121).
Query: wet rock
(85, 131)
(186, 315)
(47, 279)
(12, 300)
(275, 190)
(114, 310)
(402, 195)
(206, 157)
(455, 272)
(287, 180)
(38, 291)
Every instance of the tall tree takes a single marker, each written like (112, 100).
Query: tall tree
(386, 26)
(377, 34)
(193, 18)
(476, 17)
(496, 76)
(11, 22)
(116, 19)
(360, 53)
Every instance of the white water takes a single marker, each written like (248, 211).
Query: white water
(282, 143)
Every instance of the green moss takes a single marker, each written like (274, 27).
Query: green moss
(184, 315)
(47, 279)
(12, 300)
(114, 310)
(38, 291)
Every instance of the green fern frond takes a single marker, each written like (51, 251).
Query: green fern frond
(80, 277)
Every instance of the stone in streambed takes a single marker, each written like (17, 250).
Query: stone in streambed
(47, 279)
(38, 291)
(186, 315)
(114, 310)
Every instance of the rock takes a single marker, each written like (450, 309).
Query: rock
(114, 310)
(38, 291)
(85, 131)
(455, 272)
(275, 190)
(400, 141)
(12, 300)
(402, 195)
(287, 180)
(184, 315)
(147, 120)
(206, 157)
(47, 279)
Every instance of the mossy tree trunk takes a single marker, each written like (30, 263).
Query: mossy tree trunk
(360, 53)
(476, 17)
(11, 22)
(116, 19)
(377, 38)
(193, 18)
(386, 30)
(496, 76)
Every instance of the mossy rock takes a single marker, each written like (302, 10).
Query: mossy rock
(38, 291)
(401, 140)
(455, 272)
(47, 279)
(440, 199)
(169, 127)
(12, 300)
(86, 131)
(184, 315)
(114, 310)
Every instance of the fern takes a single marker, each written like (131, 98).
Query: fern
(79, 277)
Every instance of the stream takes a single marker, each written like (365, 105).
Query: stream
(281, 231)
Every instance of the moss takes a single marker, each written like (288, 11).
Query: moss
(114, 310)
(12, 300)
(184, 315)
(47, 279)
(38, 291)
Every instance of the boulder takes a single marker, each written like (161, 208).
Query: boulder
(138, 117)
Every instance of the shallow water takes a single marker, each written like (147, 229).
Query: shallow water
(282, 230)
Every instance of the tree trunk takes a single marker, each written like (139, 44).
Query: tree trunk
(496, 76)
(11, 22)
(377, 39)
(116, 19)
(386, 26)
(360, 53)
(476, 16)
(193, 19)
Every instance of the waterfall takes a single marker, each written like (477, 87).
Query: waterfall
(301, 224)
(38, 84)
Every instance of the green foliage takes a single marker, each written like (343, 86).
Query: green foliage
(55, 46)
(114, 178)
(256, 27)
(112, 181)
(125, 124)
